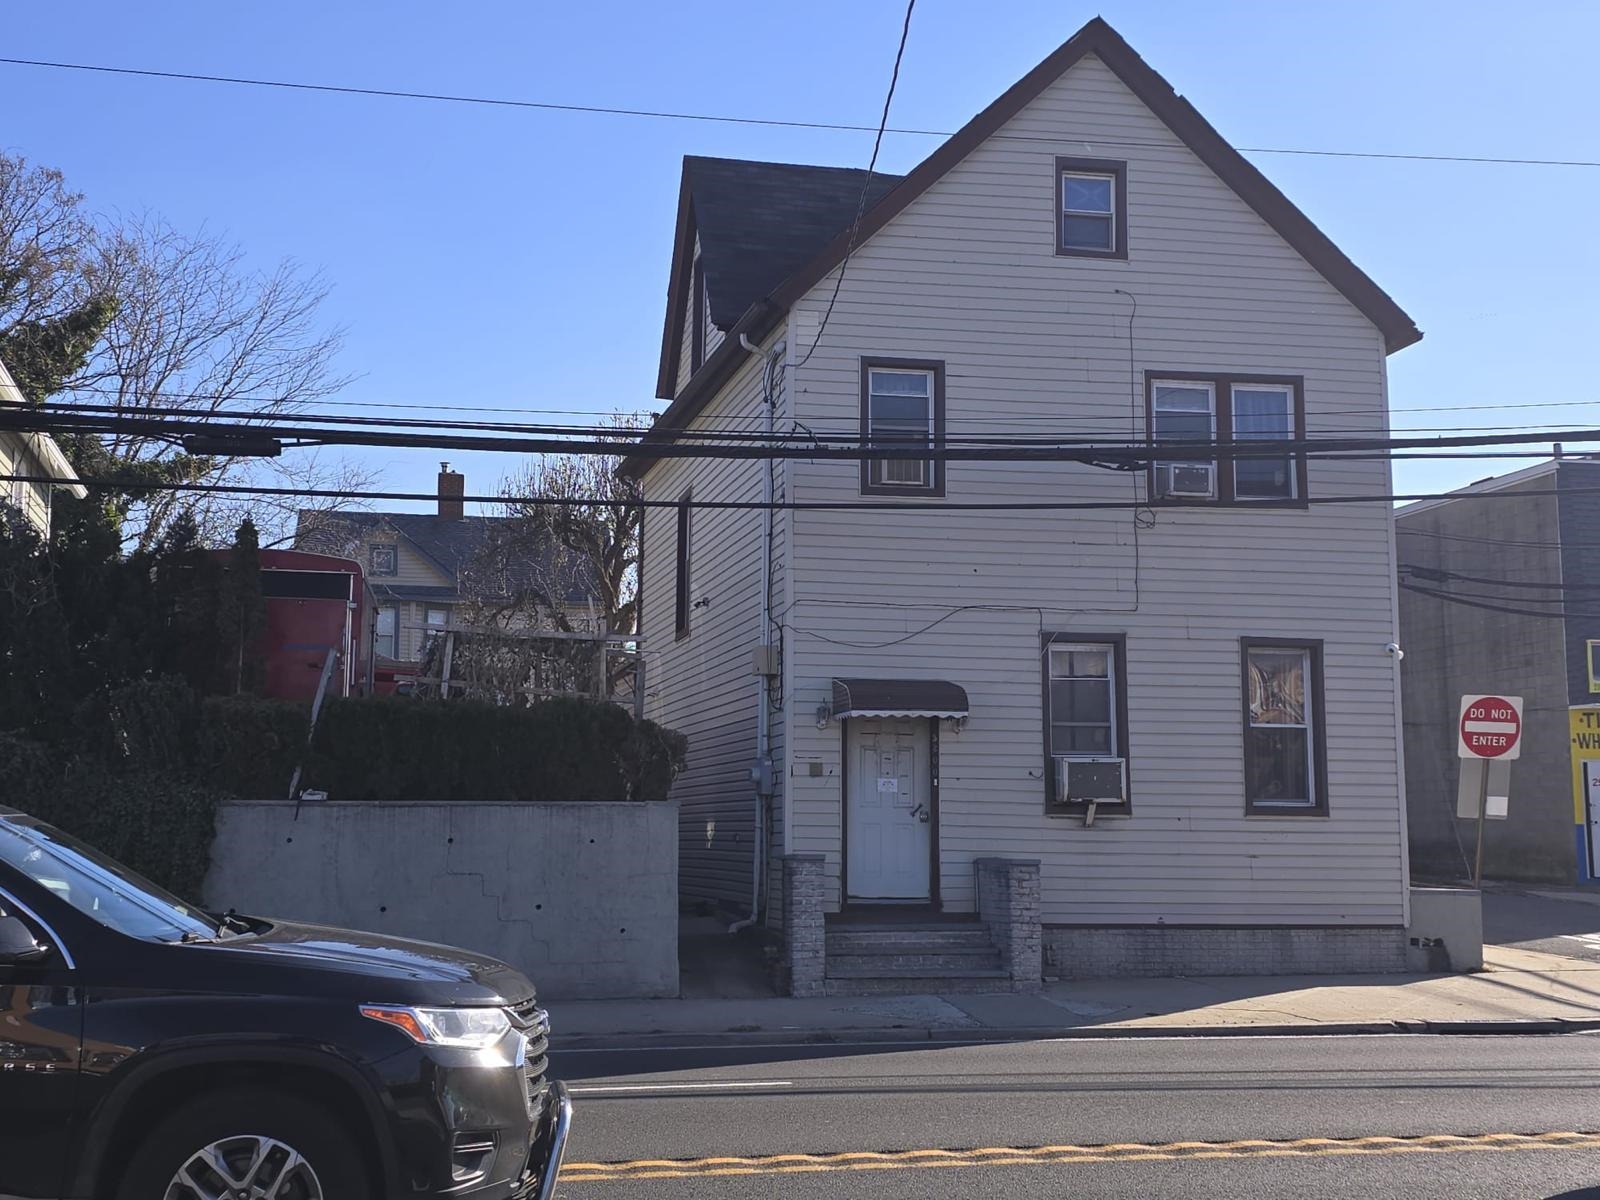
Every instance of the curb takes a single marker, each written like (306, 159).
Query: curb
(665, 1040)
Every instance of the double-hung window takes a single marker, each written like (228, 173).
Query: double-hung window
(1230, 413)
(1085, 706)
(1284, 756)
(1091, 208)
(902, 409)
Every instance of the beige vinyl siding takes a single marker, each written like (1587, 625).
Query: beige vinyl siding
(702, 685)
(31, 499)
(411, 568)
(1033, 342)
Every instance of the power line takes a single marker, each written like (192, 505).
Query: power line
(141, 408)
(1511, 610)
(1440, 575)
(769, 122)
(866, 186)
(888, 505)
(395, 433)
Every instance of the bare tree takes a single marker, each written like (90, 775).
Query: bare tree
(196, 330)
(541, 558)
(278, 517)
(53, 303)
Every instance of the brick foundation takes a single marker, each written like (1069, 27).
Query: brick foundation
(1008, 905)
(805, 939)
(1090, 952)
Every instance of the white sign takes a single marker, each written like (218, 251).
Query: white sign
(888, 785)
(1490, 727)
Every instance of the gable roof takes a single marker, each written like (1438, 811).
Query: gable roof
(448, 543)
(758, 223)
(1105, 43)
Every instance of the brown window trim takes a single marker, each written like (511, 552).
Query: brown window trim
(1319, 724)
(1223, 384)
(935, 487)
(697, 319)
(1119, 663)
(681, 584)
(1118, 170)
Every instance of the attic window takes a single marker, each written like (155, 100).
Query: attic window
(1091, 208)
(385, 558)
(697, 317)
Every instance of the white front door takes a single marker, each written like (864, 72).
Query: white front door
(890, 810)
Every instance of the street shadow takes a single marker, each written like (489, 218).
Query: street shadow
(1589, 1193)
(1514, 918)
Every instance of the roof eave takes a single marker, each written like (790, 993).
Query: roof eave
(677, 287)
(757, 322)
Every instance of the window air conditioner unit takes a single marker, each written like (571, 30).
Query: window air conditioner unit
(1189, 480)
(1086, 784)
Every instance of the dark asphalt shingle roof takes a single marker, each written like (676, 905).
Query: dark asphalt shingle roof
(760, 222)
(449, 543)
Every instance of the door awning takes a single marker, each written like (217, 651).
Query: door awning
(898, 698)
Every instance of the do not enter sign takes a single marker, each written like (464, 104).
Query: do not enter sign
(1491, 727)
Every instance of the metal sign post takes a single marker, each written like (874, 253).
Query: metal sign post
(1489, 737)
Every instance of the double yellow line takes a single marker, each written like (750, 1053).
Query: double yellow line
(1008, 1156)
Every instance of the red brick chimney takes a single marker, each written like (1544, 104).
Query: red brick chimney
(452, 487)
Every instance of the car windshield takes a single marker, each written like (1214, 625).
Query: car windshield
(98, 886)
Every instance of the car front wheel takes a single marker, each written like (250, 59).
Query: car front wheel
(247, 1145)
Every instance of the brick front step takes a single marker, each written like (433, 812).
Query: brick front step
(927, 962)
(908, 942)
(915, 983)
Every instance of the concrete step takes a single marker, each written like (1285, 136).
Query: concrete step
(915, 983)
(936, 963)
(897, 941)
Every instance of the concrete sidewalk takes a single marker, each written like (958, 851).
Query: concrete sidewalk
(1518, 991)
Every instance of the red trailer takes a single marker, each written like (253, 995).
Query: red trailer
(316, 603)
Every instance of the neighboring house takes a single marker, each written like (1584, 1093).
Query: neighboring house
(1087, 257)
(35, 455)
(1502, 595)
(422, 568)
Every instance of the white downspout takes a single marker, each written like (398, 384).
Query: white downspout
(761, 773)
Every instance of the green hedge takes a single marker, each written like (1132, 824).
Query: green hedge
(249, 747)
(142, 770)
(397, 748)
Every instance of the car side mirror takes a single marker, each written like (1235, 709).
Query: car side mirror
(17, 943)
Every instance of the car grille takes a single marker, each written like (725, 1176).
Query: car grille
(534, 1024)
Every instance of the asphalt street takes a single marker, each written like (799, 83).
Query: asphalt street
(1556, 921)
(1396, 1116)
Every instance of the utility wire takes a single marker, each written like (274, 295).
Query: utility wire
(1439, 575)
(866, 185)
(603, 432)
(669, 445)
(769, 122)
(866, 505)
(1511, 610)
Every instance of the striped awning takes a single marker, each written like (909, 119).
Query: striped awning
(898, 698)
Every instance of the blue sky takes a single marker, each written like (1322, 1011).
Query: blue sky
(498, 257)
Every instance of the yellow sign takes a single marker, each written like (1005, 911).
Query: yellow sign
(1584, 726)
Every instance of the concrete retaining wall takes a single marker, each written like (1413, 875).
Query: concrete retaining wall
(1090, 952)
(1446, 931)
(582, 897)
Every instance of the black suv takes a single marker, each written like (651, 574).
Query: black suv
(152, 1051)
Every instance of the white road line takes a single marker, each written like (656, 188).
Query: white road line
(730, 1085)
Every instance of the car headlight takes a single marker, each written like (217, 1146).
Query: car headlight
(467, 1028)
